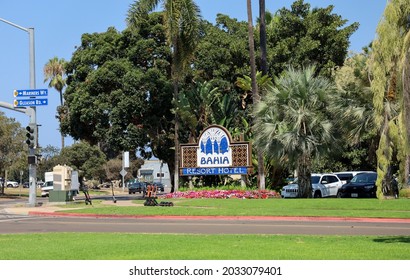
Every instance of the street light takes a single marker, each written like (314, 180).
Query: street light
(32, 168)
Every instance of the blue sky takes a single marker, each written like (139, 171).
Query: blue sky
(59, 25)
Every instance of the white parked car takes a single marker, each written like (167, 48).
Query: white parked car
(12, 184)
(323, 185)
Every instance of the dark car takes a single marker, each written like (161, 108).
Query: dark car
(362, 185)
(160, 186)
(135, 187)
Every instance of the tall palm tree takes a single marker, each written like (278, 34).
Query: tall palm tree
(292, 122)
(181, 20)
(255, 93)
(54, 72)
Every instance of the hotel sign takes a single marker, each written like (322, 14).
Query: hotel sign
(215, 154)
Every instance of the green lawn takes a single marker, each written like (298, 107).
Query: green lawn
(120, 246)
(393, 208)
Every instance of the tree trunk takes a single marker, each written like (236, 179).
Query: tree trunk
(406, 109)
(62, 135)
(176, 140)
(264, 69)
(304, 177)
(406, 179)
(262, 33)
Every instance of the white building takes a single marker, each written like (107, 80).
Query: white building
(155, 171)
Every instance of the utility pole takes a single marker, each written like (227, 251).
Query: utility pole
(32, 165)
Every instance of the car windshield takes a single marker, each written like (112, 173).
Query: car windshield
(364, 178)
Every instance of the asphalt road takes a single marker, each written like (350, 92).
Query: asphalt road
(12, 223)
(15, 223)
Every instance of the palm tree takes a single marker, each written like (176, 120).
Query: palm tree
(255, 93)
(291, 122)
(54, 72)
(195, 107)
(181, 20)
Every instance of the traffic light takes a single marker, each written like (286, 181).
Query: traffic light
(31, 135)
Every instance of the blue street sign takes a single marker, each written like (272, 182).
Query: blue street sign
(30, 93)
(30, 102)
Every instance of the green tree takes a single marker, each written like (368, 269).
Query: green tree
(12, 148)
(49, 159)
(54, 72)
(391, 94)
(222, 54)
(87, 159)
(195, 107)
(292, 123)
(355, 110)
(181, 21)
(118, 91)
(300, 36)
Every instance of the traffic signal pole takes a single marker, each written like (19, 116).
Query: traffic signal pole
(32, 167)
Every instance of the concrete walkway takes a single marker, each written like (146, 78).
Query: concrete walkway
(50, 207)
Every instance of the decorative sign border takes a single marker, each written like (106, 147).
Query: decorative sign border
(215, 154)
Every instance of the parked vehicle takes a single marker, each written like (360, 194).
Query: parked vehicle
(160, 186)
(323, 185)
(346, 176)
(12, 184)
(135, 187)
(48, 184)
(361, 185)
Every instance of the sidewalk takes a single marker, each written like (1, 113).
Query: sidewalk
(50, 207)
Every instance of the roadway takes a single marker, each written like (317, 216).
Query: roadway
(37, 221)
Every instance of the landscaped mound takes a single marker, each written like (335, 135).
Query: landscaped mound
(224, 194)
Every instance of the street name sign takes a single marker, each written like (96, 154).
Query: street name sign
(30, 102)
(30, 93)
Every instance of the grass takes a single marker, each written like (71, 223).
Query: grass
(129, 246)
(392, 208)
(120, 246)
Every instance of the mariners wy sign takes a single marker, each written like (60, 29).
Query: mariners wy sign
(215, 154)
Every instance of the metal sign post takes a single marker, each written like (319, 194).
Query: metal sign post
(32, 168)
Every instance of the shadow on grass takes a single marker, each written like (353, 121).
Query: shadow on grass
(393, 239)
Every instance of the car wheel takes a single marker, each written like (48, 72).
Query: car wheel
(317, 194)
(339, 195)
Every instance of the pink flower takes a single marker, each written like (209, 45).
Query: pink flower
(224, 194)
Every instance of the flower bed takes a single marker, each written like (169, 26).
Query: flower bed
(224, 194)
